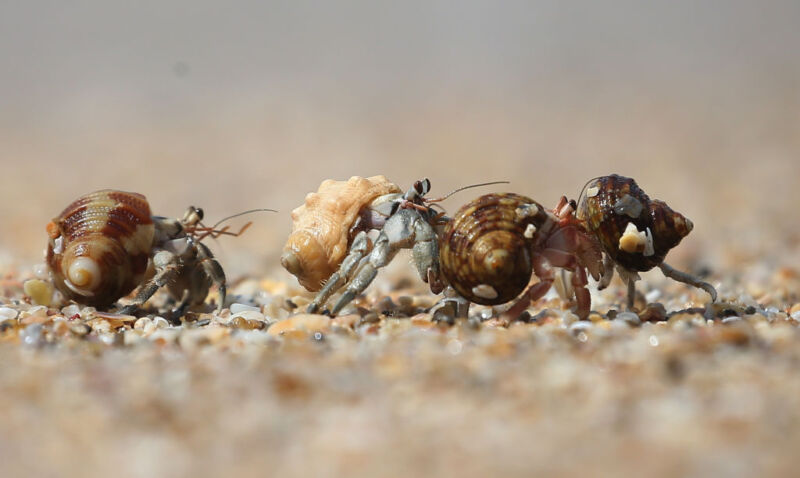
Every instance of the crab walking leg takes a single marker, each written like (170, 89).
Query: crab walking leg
(583, 299)
(401, 231)
(358, 249)
(183, 304)
(631, 282)
(534, 292)
(608, 272)
(214, 271)
(426, 255)
(168, 269)
(688, 279)
(569, 261)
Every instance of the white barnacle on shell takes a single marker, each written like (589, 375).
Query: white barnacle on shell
(649, 250)
(634, 240)
(484, 291)
(526, 210)
(530, 231)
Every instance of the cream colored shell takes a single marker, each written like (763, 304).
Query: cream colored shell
(321, 227)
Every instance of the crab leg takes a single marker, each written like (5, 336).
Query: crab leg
(358, 249)
(688, 279)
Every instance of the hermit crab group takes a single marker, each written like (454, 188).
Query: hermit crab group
(496, 249)
(490, 251)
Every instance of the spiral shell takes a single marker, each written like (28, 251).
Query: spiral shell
(100, 245)
(485, 251)
(321, 227)
(634, 230)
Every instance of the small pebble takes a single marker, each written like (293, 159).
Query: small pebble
(653, 313)
(41, 271)
(301, 322)
(7, 313)
(32, 335)
(569, 318)
(80, 330)
(629, 318)
(239, 307)
(40, 292)
(71, 311)
(580, 326)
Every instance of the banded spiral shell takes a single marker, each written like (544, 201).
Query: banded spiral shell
(100, 245)
(485, 254)
(613, 206)
(321, 227)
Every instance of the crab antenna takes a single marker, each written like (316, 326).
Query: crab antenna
(466, 187)
(240, 214)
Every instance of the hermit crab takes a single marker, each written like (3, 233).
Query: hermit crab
(101, 244)
(635, 232)
(330, 244)
(495, 244)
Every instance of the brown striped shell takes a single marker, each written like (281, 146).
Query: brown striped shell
(613, 207)
(321, 227)
(485, 255)
(100, 245)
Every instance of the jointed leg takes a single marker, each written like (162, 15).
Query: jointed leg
(631, 282)
(688, 279)
(534, 292)
(167, 267)
(608, 272)
(426, 256)
(583, 300)
(359, 247)
(381, 254)
(214, 271)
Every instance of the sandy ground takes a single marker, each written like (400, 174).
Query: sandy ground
(234, 111)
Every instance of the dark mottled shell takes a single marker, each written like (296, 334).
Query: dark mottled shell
(611, 202)
(114, 230)
(484, 245)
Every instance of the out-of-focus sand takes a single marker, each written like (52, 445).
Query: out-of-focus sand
(253, 106)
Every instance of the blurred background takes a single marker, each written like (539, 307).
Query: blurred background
(236, 105)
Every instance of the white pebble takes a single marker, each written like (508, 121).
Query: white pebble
(7, 313)
(238, 307)
(36, 311)
(41, 271)
(653, 295)
(569, 318)
(71, 310)
(160, 322)
(580, 326)
(629, 318)
(32, 334)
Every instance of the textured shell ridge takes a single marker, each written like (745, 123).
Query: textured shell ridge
(326, 217)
